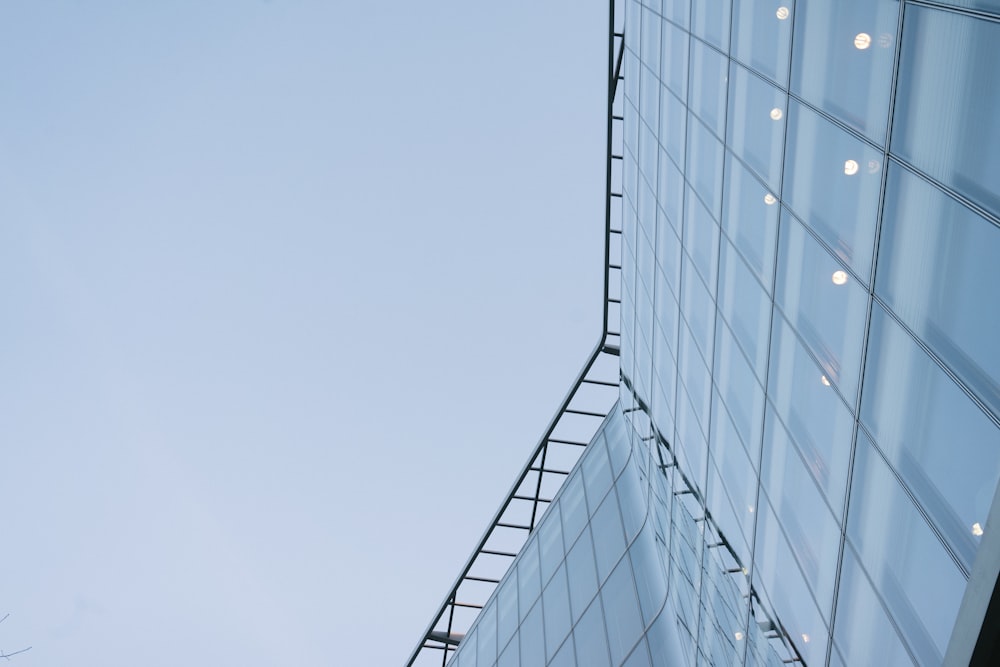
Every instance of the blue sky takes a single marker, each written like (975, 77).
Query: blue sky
(289, 290)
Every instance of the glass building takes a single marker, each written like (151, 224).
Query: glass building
(794, 450)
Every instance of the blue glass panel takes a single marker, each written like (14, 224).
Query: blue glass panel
(532, 641)
(639, 657)
(762, 32)
(944, 446)
(529, 583)
(486, 628)
(757, 124)
(823, 303)
(710, 21)
(812, 532)
(750, 219)
(574, 507)
(673, 119)
(582, 574)
(863, 632)
(566, 657)
(701, 240)
(678, 11)
(510, 656)
(842, 60)
(946, 107)
(651, 583)
(819, 422)
(590, 638)
(908, 565)
(632, 498)
(698, 307)
(649, 49)
(609, 540)
(507, 618)
(707, 96)
(745, 306)
(739, 389)
(555, 607)
(621, 611)
(780, 577)
(832, 181)
(596, 474)
(675, 60)
(938, 271)
(704, 164)
(670, 186)
(550, 543)
(649, 97)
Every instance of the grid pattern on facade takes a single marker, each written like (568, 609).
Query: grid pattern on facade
(811, 219)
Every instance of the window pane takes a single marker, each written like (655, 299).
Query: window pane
(761, 35)
(750, 218)
(757, 124)
(940, 442)
(621, 611)
(675, 59)
(590, 639)
(832, 181)
(582, 574)
(745, 306)
(710, 21)
(709, 74)
(842, 60)
(909, 566)
(555, 606)
(946, 107)
(938, 271)
(704, 164)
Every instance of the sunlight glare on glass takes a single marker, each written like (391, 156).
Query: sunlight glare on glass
(850, 167)
(839, 277)
(782, 13)
(862, 41)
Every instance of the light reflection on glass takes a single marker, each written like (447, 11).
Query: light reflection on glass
(776, 113)
(739, 636)
(862, 41)
(782, 13)
(805, 638)
(977, 530)
(850, 167)
(839, 277)
(769, 199)
(885, 40)
(824, 380)
(873, 166)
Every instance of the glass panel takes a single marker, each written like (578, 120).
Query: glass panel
(675, 60)
(832, 181)
(677, 11)
(738, 387)
(701, 239)
(938, 271)
(750, 218)
(673, 116)
(761, 35)
(710, 21)
(509, 657)
(582, 574)
(555, 605)
(532, 642)
(651, 584)
(946, 107)
(573, 507)
(782, 580)
(819, 422)
(842, 60)
(698, 307)
(671, 190)
(566, 657)
(621, 611)
(507, 618)
(486, 628)
(863, 632)
(745, 306)
(709, 75)
(596, 474)
(940, 442)
(550, 544)
(757, 124)
(528, 581)
(649, 48)
(632, 499)
(609, 541)
(811, 530)
(909, 566)
(649, 98)
(704, 164)
(824, 304)
(639, 657)
(591, 642)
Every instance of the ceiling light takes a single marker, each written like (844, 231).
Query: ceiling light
(977, 530)
(770, 199)
(776, 114)
(739, 636)
(822, 378)
(839, 277)
(862, 41)
(805, 638)
(850, 167)
(782, 13)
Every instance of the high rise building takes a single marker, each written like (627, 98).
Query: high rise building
(803, 459)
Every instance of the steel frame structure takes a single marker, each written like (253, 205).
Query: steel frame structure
(586, 405)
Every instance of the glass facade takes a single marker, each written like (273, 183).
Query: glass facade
(804, 460)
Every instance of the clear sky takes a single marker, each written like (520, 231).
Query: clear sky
(288, 291)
